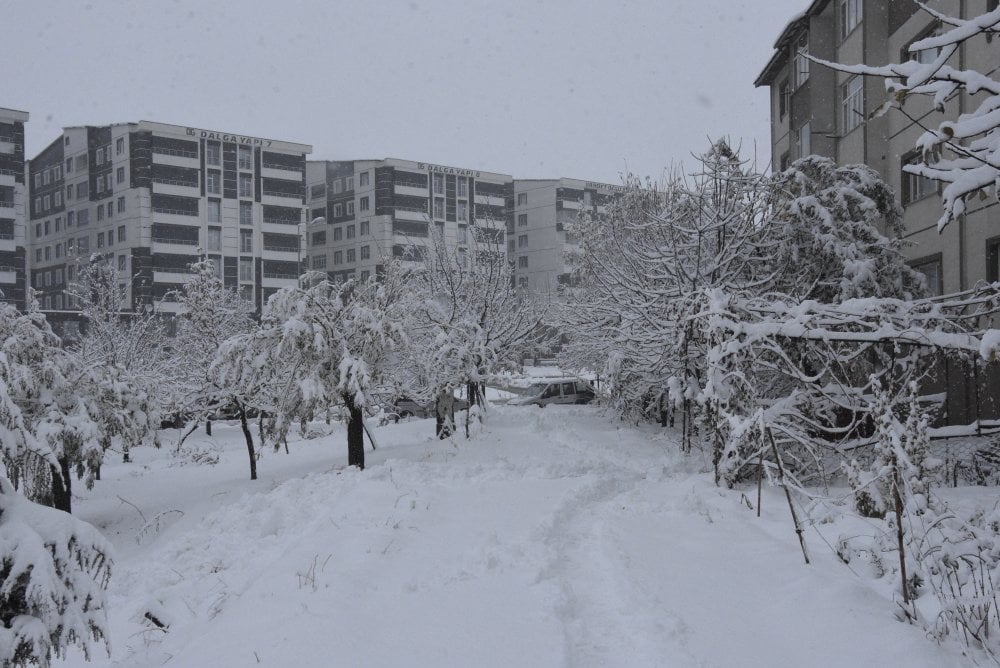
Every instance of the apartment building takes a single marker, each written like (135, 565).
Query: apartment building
(816, 110)
(363, 211)
(152, 198)
(538, 237)
(12, 206)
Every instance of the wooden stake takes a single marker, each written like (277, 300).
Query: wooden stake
(899, 531)
(791, 507)
(371, 439)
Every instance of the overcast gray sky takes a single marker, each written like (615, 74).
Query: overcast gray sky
(534, 89)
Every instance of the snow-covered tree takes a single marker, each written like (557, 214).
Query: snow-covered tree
(319, 346)
(963, 151)
(210, 314)
(469, 320)
(53, 568)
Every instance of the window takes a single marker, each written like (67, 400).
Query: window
(351, 255)
(122, 262)
(58, 251)
(337, 186)
(213, 182)
(462, 211)
(365, 228)
(319, 262)
(350, 231)
(213, 154)
(338, 234)
(38, 255)
(852, 110)
(58, 198)
(48, 227)
(81, 162)
(522, 262)
(245, 157)
(350, 208)
(463, 234)
(348, 183)
(58, 223)
(57, 172)
(439, 207)
(121, 205)
(69, 165)
(930, 267)
(522, 241)
(850, 16)
(119, 146)
(70, 218)
(522, 199)
(246, 185)
(100, 213)
(120, 175)
(82, 190)
(46, 202)
(783, 98)
(363, 179)
(69, 193)
(246, 269)
(463, 186)
(46, 175)
(438, 184)
(924, 55)
(801, 62)
(338, 257)
(108, 183)
(246, 241)
(100, 241)
(99, 156)
(214, 211)
(69, 251)
(318, 238)
(38, 179)
(522, 282)
(914, 186)
(804, 136)
(83, 217)
(121, 234)
(366, 252)
(111, 238)
(83, 245)
(246, 213)
(522, 219)
(214, 239)
(338, 210)
(111, 209)
(363, 204)
(365, 275)
(462, 258)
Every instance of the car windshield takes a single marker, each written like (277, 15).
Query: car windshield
(537, 389)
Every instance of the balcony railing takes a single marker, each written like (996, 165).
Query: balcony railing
(175, 152)
(278, 274)
(174, 212)
(6, 236)
(175, 182)
(279, 193)
(9, 203)
(174, 240)
(281, 221)
(281, 249)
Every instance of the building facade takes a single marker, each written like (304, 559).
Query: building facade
(363, 211)
(540, 234)
(816, 110)
(153, 198)
(13, 195)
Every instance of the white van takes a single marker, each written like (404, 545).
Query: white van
(567, 391)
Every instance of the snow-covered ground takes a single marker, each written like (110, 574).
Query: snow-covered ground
(553, 537)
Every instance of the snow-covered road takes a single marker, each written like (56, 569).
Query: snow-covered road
(554, 537)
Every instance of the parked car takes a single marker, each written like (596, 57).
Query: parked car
(558, 392)
(406, 407)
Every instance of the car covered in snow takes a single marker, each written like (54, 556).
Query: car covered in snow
(566, 391)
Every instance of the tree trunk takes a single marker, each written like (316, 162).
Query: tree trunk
(62, 486)
(249, 438)
(444, 413)
(355, 434)
(208, 427)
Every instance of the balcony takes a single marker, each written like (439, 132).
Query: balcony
(7, 242)
(169, 276)
(272, 171)
(170, 245)
(413, 191)
(410, 213)
(279, 198)
(7, 146)
(176, 158)
(8, 275)
(272, 252)
(490, 200)
(271, 280)
(8, 177)
(170, 187)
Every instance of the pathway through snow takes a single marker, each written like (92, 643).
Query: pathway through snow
(555, 537)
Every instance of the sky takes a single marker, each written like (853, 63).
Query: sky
(544, 89)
